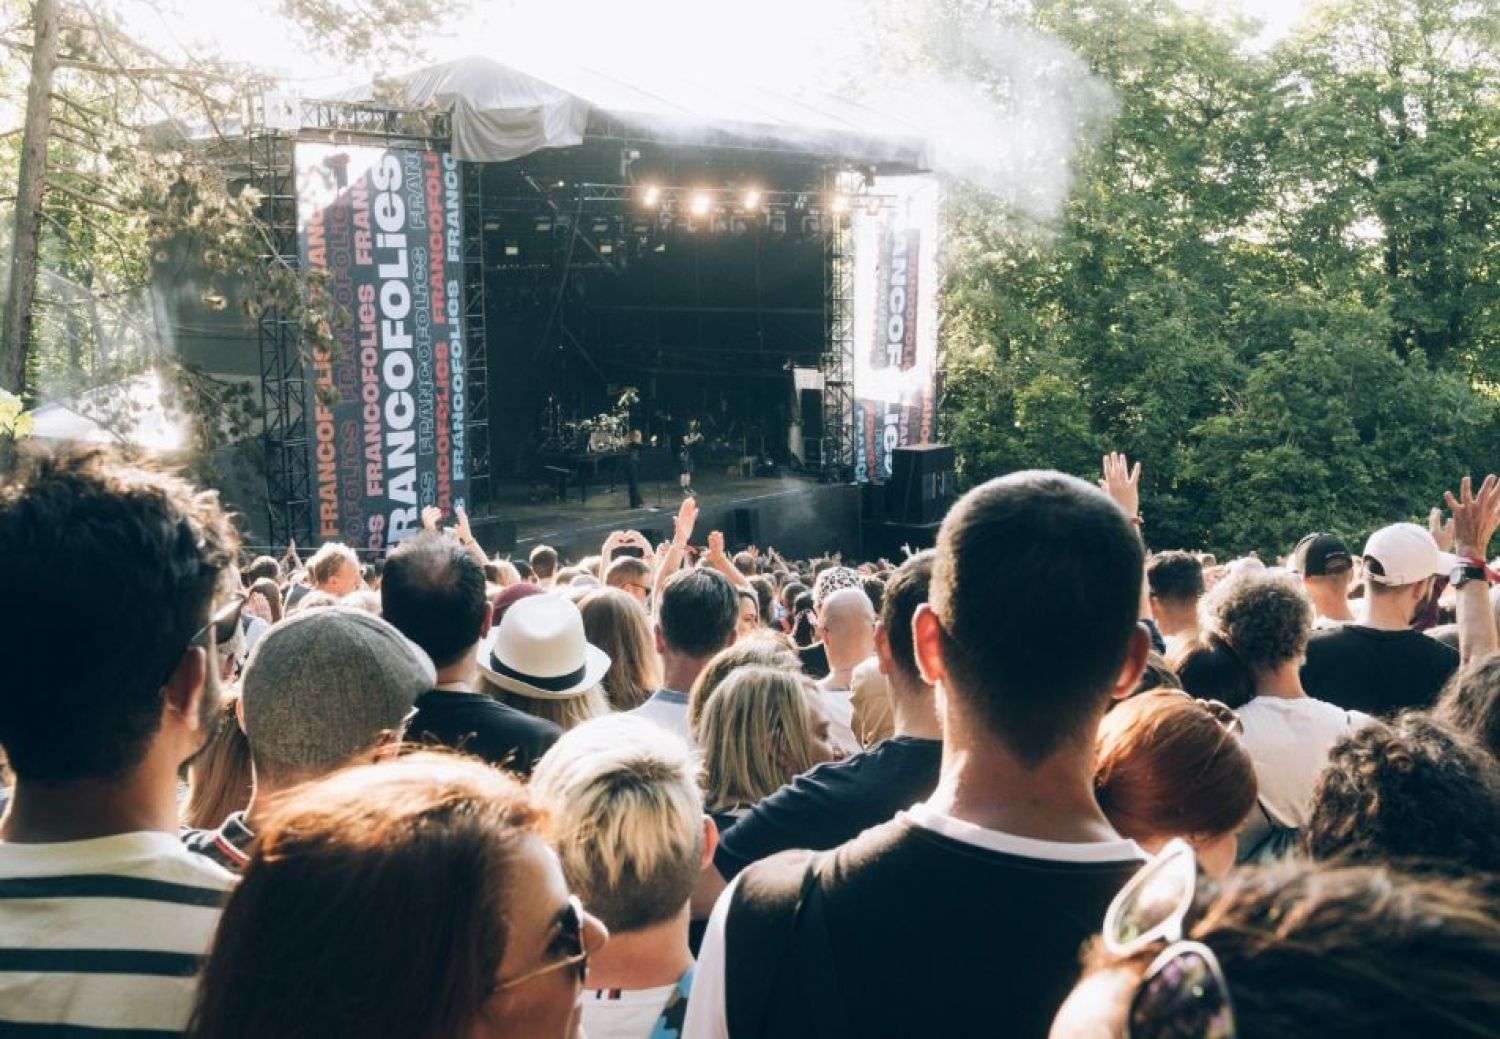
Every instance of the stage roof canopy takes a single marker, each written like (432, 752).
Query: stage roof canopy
(501, 112)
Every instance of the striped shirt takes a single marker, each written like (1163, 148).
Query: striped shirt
(103, 939)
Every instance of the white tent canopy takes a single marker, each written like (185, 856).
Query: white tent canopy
(501, 112)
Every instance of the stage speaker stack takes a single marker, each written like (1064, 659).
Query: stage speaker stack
(922, 484)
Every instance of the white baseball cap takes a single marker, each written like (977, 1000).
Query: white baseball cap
(1404, 553)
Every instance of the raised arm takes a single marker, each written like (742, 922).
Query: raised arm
(721, 562)
(1475, 517)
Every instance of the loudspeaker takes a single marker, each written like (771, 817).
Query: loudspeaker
(922, 483)
(746, 527)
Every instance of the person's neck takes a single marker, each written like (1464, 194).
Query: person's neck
(840, 677)
(1331, 603)
(83, 809)
(1386, 612)
(679, 672)
(264, 790)
(1284, 682)
(982, 782)
(648, 958)
(1178, 622)
(464, 672)
(914, 710)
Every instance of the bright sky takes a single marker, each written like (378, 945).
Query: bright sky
(786, 43)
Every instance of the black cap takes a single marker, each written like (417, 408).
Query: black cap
(1318, 555)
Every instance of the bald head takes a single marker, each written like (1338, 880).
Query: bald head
(847, 624)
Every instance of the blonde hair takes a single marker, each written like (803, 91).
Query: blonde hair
(626, 818)
(219, 775)
(329, 560)
(762, 649)
(756, 733)
(564, 713)
(614, 622)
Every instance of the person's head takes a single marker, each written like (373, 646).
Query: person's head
(1470, 702)
(1176, 580)
(1326, 567)
(260, 568)
(271, 592)
(765, 597)
(763, 649)
(505, 574)
(874, 591)
(614, 622)
(697, 615)
(334, 568)
(85, 701)
(904, 592)
(219, 776)
(1264, 616)
(543, 561)
(524, 571)
(434, 593)
(417, 894)
(748, 621)
(626, 819)
(1310, 951)
(790, 592)
(745, 563)
(631, 576)
(539, 660)
(324, 686)
(831, 579)
(1400, 562)
(1167, 765)
(590, 565)
(1159, 674)
(1409, 791)
(1031, 622)
(846, 624)
(1210, 669)
(758, 731)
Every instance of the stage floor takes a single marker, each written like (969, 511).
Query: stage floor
(541, 519)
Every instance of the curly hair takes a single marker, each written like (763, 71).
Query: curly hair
(1471, 702)
(1263, 614)
(1314, 951)
(1410, 789)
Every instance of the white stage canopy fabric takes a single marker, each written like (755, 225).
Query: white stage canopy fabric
(501, 112)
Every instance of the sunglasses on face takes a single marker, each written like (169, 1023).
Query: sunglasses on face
(571, 936)
(1183, 993)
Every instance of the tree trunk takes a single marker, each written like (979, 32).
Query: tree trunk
(33, 173)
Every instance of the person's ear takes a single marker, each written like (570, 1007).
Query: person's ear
(883, 648)
(661, 640)
(926, 633)
(239, 712)
(185, 687)
(710, 843)
(488, 621)
(1134, 666)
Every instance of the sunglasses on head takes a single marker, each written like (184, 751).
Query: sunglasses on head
(1183, 993)
(225, 619)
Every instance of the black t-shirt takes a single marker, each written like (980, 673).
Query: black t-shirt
(478, 725)
(1377, 672)
(832, 803)
(927, 935)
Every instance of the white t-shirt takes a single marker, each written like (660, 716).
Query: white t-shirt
(839, 704)
(105, 933)
(1289, 741)
(667, 708)
(707, 1016)
(617, 1014)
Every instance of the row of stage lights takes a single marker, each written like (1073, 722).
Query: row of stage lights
(701, 202)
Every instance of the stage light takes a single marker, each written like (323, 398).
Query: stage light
(543, 225)
(605, 248)
(512, 249)
(601, 226)
(751, 201)
(650, 196)
(701, 204)
(840, 203)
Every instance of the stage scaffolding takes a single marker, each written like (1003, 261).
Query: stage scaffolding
(838, 344)
(273, 128)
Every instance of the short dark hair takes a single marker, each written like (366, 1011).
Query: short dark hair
(1410, 790)
(433, 592)
(765, 592)
(624, 570)
(523, 568)
(745, 563)
(698, 612)
(906, 590)
(84, 527)
(1036, 586)
(1175, 576)
(260, 566)
(544, 560)
(874, 589)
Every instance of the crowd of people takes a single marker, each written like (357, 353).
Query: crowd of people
(1039, 780)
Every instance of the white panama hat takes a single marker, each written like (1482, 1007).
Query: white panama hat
(540, 650)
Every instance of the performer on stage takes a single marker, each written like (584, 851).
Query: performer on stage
(685, 457)
(633, 468)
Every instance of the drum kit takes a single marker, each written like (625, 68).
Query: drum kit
(604, 433)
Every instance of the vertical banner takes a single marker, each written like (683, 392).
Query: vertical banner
(895, 323)
(386, 428)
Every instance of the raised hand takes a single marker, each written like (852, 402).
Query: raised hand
(1441, 532)
(465, 535)
(636, 538)
(430, 516)
(687, 516)
(1122, 482)
(1475, 516)
(716, 542)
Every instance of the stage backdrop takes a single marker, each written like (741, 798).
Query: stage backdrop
(384, 224)
(895, 323)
